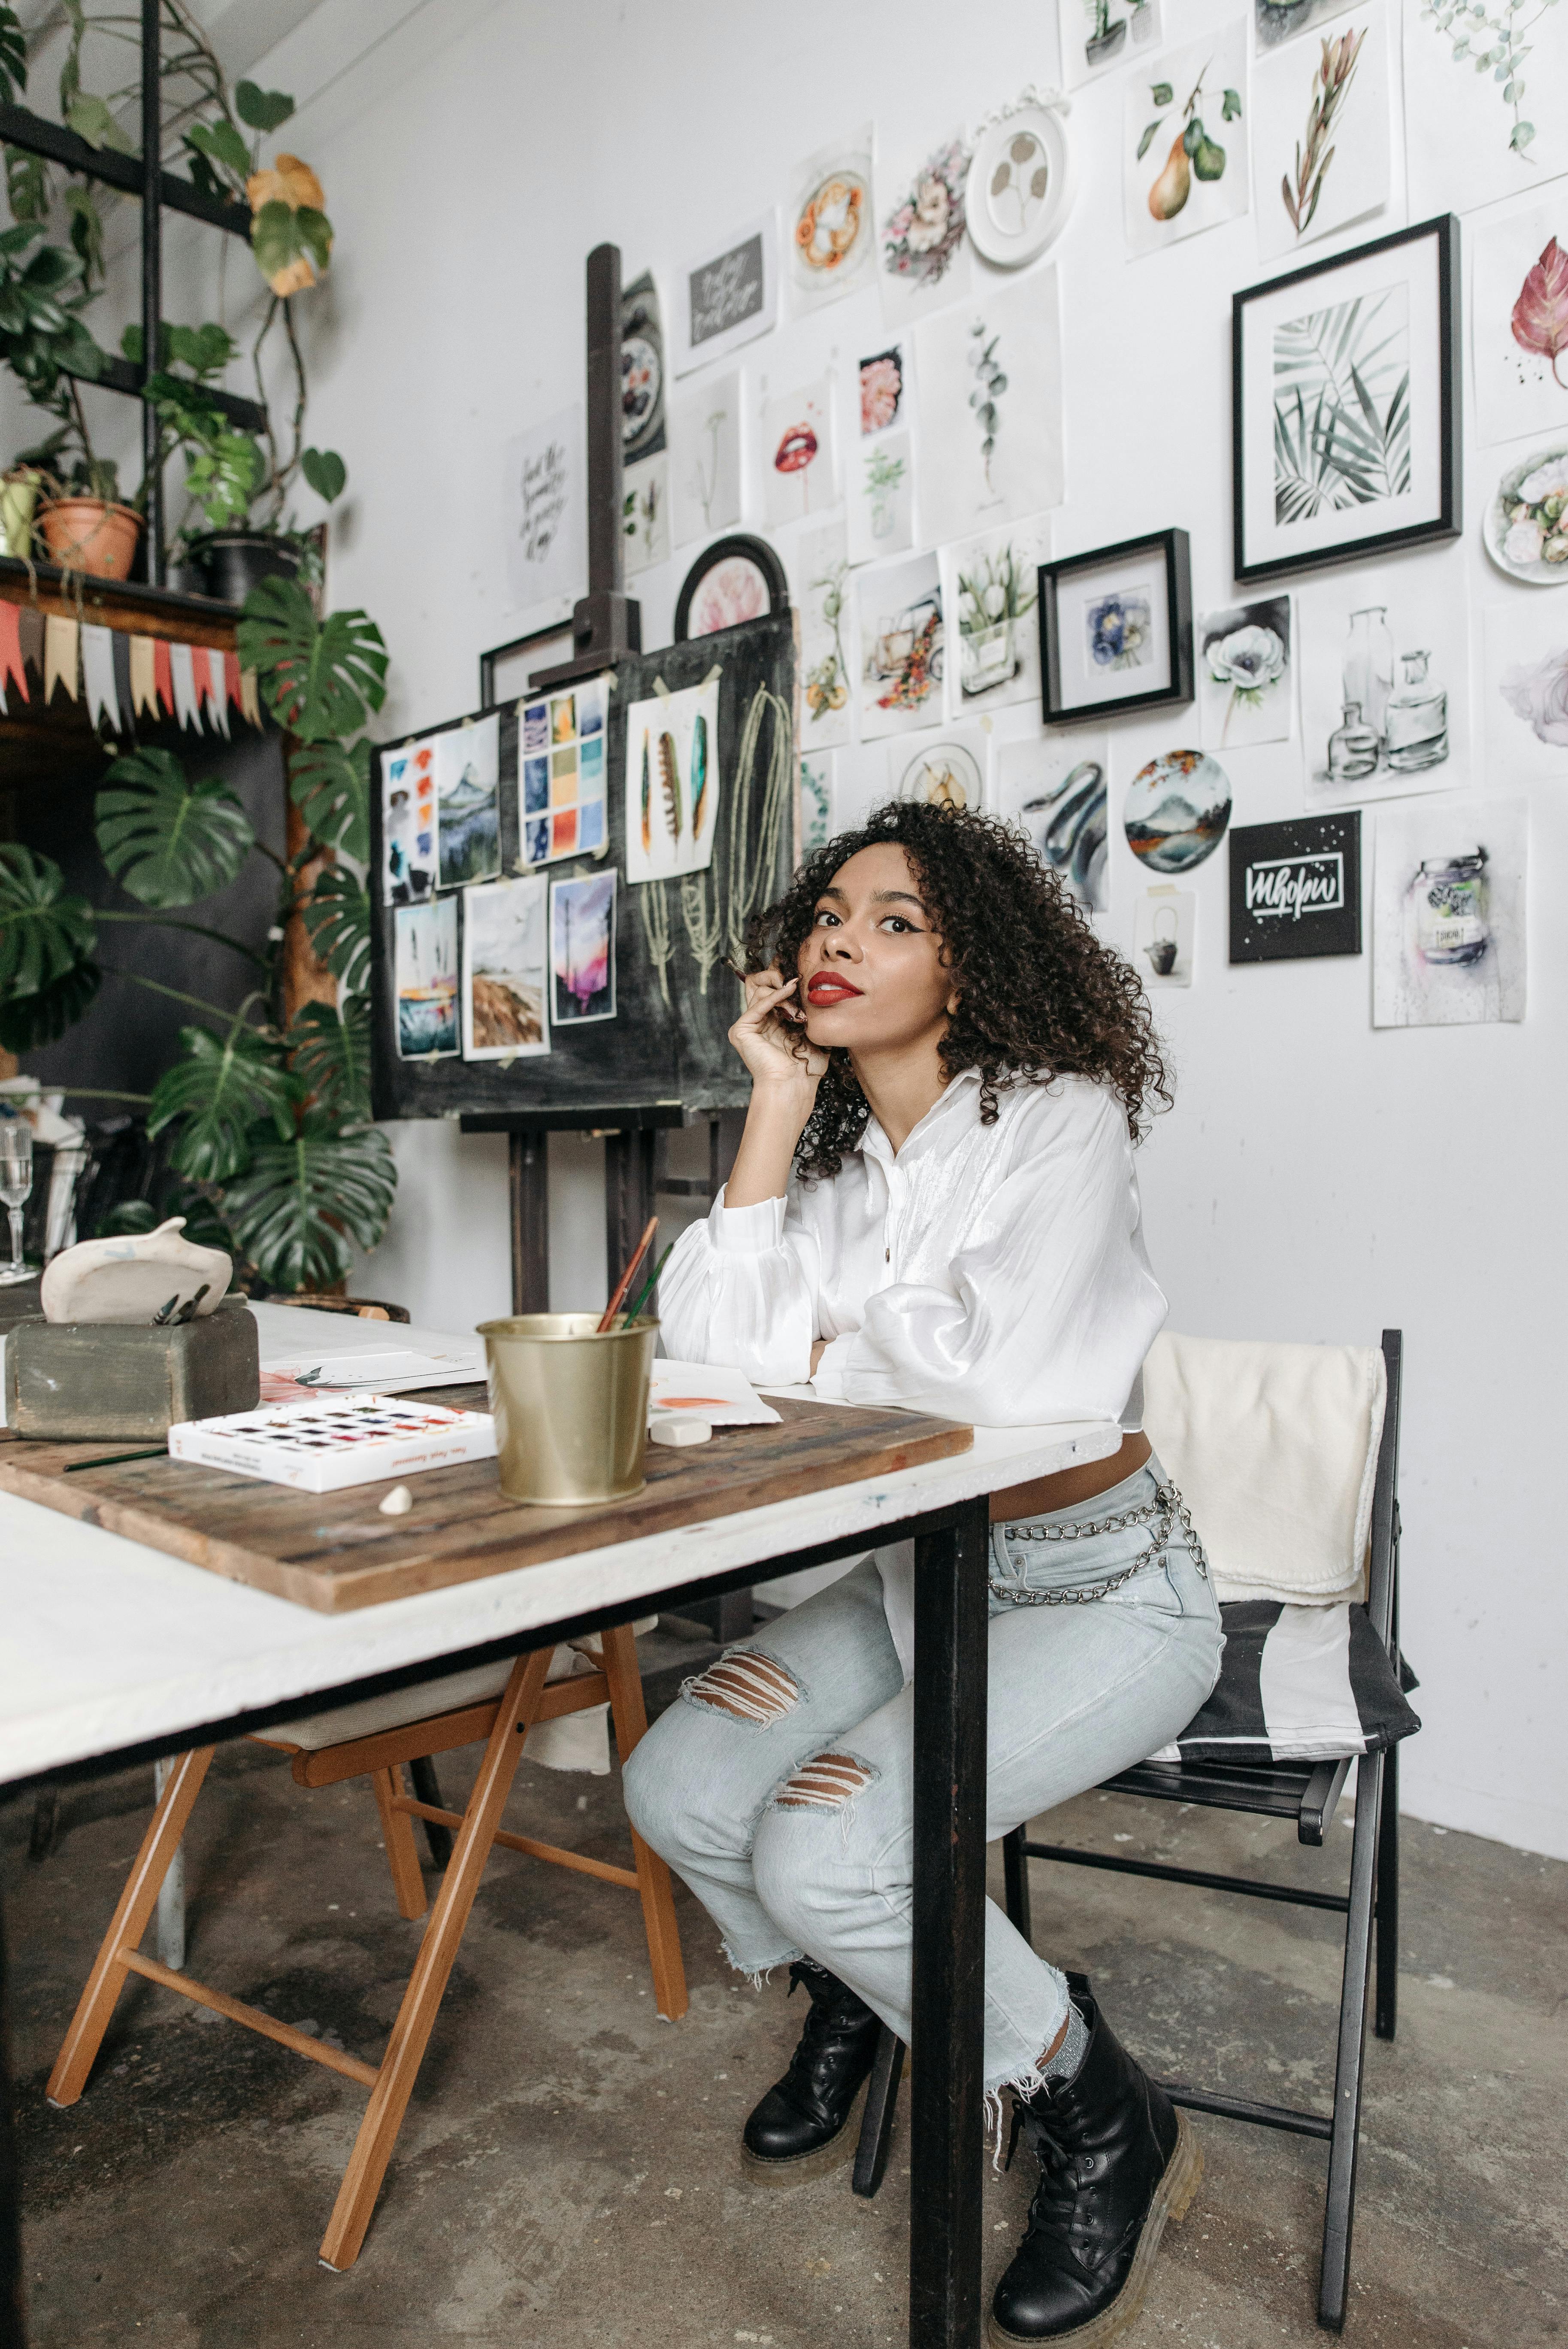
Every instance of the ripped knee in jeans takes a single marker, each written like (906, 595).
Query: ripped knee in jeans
(747, 1685)
(828, 1782)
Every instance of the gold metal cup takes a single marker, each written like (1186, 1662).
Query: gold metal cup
(571, 1405)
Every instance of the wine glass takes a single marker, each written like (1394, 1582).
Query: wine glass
(15, 1184)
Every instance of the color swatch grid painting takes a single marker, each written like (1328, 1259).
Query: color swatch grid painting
(562, 773)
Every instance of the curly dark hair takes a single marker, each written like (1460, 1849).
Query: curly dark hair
(1041, 996)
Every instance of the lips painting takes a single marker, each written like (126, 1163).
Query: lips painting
(796, 452)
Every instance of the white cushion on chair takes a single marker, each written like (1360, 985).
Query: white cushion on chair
(1274, 1448)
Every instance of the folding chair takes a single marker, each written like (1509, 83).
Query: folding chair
(1308, 1792)
(499, 1703)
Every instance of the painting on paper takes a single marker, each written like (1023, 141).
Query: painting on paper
(1483, 101)
(831, 223)
(704, 458)
(1245, 681)
(425, 979)
(924, 261)
(816, 820)
(1054, 787)
(1276, 21)
(1525, 526)
(561, 764)
(818, 582)
(991, 402)
(467, 802)
(1164, 924)
(1527, 689)
(989, 591)
(881, 497)
(902, 652)
(1384, 681)
(946, 769)
(645, 514)
(1447, 913)
(642, 370)
(1184, 139)
(408, 824)
(1323, 138)
(545, 508)
(583, 950)
(671, 782)
(795, 452)
(1100, 34)
(882, 381)
(506, 969)
(728, 296)
(1176, 811)
(1519, 320)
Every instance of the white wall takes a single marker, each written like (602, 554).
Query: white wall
(1316, 1179)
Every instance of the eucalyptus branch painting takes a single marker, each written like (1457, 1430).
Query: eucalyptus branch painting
(990, 389)
(1483, 99)
(1342, 406)
(1494, 43)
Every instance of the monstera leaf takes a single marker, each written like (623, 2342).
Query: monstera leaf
(331, 1055)
(221, 1087)
(166, 839)
(46, 932)
(28, 1021)
(12, 58)
(331, 788)
(305, 1200)
(337, 920)
(321, 677)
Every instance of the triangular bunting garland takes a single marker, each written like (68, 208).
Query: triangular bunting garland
(232, 678)
(209, 666)
(144, 678)
(188, 709)
(162, 676)
(60, 653)
(12, 665)
(97, 675)
(249, 706)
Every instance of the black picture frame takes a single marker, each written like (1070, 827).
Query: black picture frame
(1171, 548)
(1250, 564)
(753, 550)
(545, 644)
(1296, 888)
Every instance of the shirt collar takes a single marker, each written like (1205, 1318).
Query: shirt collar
(958, 1097)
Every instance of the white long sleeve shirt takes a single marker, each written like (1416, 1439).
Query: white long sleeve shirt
(990, 1273)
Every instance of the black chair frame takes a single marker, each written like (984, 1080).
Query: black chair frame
(1309, 1794)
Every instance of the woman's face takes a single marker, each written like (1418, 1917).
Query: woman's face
(873, 972)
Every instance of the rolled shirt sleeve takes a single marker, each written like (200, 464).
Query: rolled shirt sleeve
(740, 1289)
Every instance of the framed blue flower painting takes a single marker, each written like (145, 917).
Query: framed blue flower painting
(1116, 629)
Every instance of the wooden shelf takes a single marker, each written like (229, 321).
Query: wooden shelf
(119, 604)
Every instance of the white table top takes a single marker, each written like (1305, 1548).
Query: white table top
(105, 1643)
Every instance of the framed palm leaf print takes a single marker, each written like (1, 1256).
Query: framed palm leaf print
(1345, 415)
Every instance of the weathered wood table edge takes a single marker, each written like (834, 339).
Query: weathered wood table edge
(333, 1552)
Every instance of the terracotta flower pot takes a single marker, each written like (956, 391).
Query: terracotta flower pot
(88, 534)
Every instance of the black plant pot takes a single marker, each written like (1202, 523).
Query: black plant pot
(1105, 45)
(230, 562)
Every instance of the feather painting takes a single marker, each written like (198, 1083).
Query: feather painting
(647, 803)
(698, 775)
(670, 780)
(674, 796)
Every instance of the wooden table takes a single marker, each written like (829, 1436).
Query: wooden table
(120, 1649)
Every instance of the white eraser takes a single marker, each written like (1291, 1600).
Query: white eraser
(678, 1427)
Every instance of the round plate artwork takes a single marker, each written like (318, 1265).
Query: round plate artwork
(642, 382)
(947, 775)
(1019, 186)
(1177, 810)
(831, 227)
(732, 581)
(1526, 525)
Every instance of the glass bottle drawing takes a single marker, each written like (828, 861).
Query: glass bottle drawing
(1352, 748)
(1449, 898)
(1417, 730)
(1370, 666)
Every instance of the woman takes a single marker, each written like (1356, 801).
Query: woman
(934, 1204)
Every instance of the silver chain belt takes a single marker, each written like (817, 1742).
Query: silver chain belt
(1162, 1514)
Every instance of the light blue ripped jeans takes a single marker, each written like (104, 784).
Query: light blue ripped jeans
(780, 1787)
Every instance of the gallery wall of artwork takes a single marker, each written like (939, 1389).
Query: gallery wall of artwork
(1370, 757)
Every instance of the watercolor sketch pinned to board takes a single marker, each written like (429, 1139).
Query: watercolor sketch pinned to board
(408, 822)
(425, 979)
(671, 782)
(925, 258)
(1323, 132)
(1100, 34)
(795, 452)
(506, 969)
(1472, 136)
(705, 458)
(990, 378)
(1527, 689)
(1185, 141)
(901, 652)
(545, 508)
(562, 773)
(467, 802)
(1246, 682)
(1384, 681)
(1519, 319)
(583, 950)
(990, 593)
(1054, 787)
(831, 223)
(819, 581)
(727, 295)
(1447, 913)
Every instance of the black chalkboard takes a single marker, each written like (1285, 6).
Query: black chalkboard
(667, 1043)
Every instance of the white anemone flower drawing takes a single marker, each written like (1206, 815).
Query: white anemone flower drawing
(1540, 695)
(1250, 661)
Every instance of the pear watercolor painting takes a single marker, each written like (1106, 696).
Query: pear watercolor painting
(1185, 125)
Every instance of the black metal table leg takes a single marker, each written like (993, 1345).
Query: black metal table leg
(946, 2117)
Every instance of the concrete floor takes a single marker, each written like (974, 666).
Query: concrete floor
(567, 2168)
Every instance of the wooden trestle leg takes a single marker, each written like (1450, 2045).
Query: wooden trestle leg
(631, 1718)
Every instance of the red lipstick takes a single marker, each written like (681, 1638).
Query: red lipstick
(828, 988)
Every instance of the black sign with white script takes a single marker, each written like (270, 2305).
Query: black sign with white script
(1296, 888)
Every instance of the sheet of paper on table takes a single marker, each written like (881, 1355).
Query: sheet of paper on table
(724, 1398)
(303, 1352)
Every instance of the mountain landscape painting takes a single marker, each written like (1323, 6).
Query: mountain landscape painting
(1177, 810)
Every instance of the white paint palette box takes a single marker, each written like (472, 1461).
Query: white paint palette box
(349, 1439)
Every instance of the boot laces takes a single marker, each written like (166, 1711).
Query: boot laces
(1054, 2199)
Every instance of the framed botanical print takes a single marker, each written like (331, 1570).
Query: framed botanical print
(1345, 405)
(1116, 629)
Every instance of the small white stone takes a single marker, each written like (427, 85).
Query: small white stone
(397, 1503)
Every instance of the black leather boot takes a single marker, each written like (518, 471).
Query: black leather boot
(799, 2127)
(1117, 2160)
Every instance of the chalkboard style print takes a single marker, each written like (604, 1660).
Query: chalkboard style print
(1184, 133)
(425, 978)
(506, 974)
(583, 950)
(1447, 913)
(408, 824)
(901, 652)
(467, 802)
(561, 764)
(1296, 888)
(1054, 787)
(1163, 923)
(729, 297)
(672, 784)
(831, 228)
(1177, 810)
(1245, 683)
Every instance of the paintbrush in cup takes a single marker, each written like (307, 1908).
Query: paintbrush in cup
(648, 1285)
(607, 1319)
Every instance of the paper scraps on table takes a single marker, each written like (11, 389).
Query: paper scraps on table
(725, 1398)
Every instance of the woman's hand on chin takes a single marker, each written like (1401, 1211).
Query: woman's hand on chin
(771, 1038)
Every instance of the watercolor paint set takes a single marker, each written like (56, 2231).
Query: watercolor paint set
(322, 1446)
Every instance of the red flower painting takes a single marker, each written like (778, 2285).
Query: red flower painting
(1541, 314)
